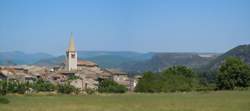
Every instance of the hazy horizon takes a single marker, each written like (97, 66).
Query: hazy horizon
(118, 25)
(60, 54)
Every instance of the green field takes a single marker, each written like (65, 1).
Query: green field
(194, 101)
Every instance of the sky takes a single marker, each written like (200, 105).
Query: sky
(124, 25)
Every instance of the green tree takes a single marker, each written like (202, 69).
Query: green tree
(176, 78)
(15, 86)
(3, 88)
(207, 80)
(180, 71)
(43, 86)
(66, 88)
(109, 86)
(179, 78)
(233, 73)
(150, 82)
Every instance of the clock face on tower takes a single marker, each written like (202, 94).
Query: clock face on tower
(73, 56)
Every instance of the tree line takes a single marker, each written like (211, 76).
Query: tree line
(40, 85)
(15, 86)
(232, 74)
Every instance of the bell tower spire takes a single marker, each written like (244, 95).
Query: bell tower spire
(71, 43)
(71, 55)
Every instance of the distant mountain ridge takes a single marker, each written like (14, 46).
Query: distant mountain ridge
(161, 61)
(138, 62)
(106, 59)
(18, 57)
(127, 54)
(133, 62)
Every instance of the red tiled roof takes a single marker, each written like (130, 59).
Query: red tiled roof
(85, 63)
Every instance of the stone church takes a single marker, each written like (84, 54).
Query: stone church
(89, 72)
(71, 56)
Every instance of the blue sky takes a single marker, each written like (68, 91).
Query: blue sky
(124, 25)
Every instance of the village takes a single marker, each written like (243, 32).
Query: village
(85, 73)
(125, 55)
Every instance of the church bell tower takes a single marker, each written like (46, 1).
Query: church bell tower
(71, 55)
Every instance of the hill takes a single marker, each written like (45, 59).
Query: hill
(17, 57)
(162, 61)
(125, 54)
(106, 59)
(242, 51)
(50, 61)
(200, 61)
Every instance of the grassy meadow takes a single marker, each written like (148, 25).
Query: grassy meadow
(193, 101)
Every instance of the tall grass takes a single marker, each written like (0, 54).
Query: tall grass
(193, 101)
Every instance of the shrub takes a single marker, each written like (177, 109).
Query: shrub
(90, 91)
(73, 77)
(43, 86)
(4, 101)
(65, 88)
(3, 88)
(109, 86)
(233, 73)
(17, 87)
(77, 91)
(150, 82)
(176, 78)
(21, 88)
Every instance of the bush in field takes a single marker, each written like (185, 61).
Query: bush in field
(176, 78)
(109, 86)
(14, 86)
(43, 86)
(179, 78)
(65, 88)
(77, 91)
(90, 91)
(4, 100)
(22, 88)
(207, 80)
(233, 73)
(17, 87)
(150, 82)
(3, 88)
